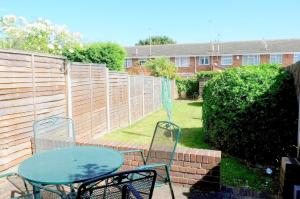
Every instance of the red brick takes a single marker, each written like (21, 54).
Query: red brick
(176, 174)
(192, 181)
(187, 157)
(192, 170)
(134, 163)
(174, 168)
(178, 163)
(193, 158)
(208, 166)
(186, 164)
(202, 171)
(199, 158)
(195, 165)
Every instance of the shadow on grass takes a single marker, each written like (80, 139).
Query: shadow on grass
(196, 103)
(193, 138)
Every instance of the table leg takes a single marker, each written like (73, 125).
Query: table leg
(36, 192)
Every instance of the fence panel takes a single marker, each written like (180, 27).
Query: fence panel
(148, 94)
(31, 87)
(157, 93)
(118, 100)
(136, 97)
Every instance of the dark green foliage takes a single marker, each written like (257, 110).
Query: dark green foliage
(189, 86)
(156, 40)
(206, 74)
(251, 112)
(111, 54)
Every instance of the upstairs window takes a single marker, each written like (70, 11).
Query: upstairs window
(204, 60)
(275, 59)
(182, 61)
(249, 60)
(226, 60)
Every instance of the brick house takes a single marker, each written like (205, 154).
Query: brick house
(192, 58)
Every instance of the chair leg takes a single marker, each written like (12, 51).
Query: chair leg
(170, 183)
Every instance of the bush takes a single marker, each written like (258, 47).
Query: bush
(189, 86)
(206, 74)
(111, 54)
(161, 67)
(251, 112)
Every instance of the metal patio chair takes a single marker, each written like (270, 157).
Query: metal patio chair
(165, 138)
(52, 133)
(24, 190)
(120, 186)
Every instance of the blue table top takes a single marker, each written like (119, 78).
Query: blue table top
(70, 165)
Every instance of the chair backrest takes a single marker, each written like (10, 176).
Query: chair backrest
(52, 133)
(128, 184)
(165, 138)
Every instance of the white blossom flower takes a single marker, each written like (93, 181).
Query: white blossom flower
(50, 46)
(71, 50)
(59, 46)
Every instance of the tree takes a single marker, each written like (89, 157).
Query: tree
(39, 35)
(162, 67)
(111, 54)
(156, 40)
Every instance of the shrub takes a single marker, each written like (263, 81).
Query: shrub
(161, 67)
(206, 74)
(40, 35)
(111, 54)
(251, 112)
(189, 86)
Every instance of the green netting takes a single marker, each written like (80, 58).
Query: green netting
(167, 97)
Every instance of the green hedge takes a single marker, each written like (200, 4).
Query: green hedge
(251, 112)
(191, 85)
(111, 54)
(206, 74)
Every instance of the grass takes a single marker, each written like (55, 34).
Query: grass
(188, 115)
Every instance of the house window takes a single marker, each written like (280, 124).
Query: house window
(203, 60)
(226, 60)
(250, 60)
(128, 63)
(182, 61)
(142, 62)
(276, 59)
(296, 57)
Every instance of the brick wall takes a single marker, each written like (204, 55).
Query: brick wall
(191, 167)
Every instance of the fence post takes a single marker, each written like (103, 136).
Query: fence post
(143, 94)
(33, 86)
(129, 99)
(69, 90)
(107, 101)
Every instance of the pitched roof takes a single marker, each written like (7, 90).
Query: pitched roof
(230, 48)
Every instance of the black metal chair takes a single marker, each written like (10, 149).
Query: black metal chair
(134, 184)
(165, 138)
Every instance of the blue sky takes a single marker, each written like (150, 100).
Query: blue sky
(186, 21)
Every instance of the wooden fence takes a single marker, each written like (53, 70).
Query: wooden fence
(34, 86)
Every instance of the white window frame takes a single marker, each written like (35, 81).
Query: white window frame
(225, 59)
(248, 64)
(274, 59)
(200, 58)
(128, 63)
(142, 62)
(182, 61)
(298, 55)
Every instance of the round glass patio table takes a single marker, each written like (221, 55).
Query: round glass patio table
(70, 165)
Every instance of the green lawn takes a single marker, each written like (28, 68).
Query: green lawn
(188, 115)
